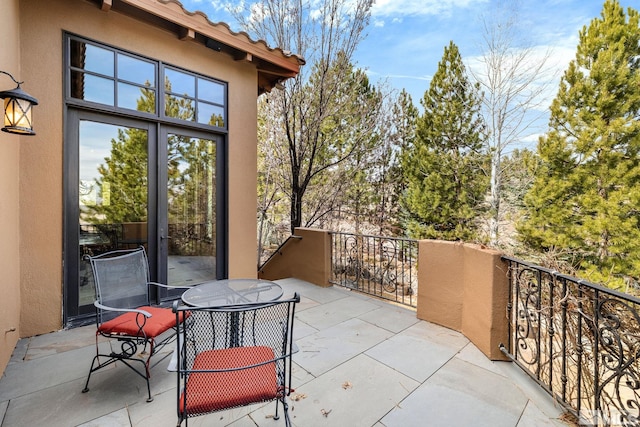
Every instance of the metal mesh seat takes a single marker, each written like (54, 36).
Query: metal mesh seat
(124, 314)
(234, 356)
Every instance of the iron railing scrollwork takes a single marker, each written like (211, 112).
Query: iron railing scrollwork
(382, 266)
(579, 340)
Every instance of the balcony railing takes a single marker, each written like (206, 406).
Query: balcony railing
(382, 266)
(579, 340)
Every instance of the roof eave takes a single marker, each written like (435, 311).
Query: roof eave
(273, 64)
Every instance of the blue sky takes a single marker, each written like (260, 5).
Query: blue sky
(406, 38)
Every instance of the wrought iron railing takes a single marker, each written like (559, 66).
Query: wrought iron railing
(579, 340)
(382, 266)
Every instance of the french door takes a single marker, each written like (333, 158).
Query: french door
(134, 183)
(190, 207)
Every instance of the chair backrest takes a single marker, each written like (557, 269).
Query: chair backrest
(121, 278)
(227, 332)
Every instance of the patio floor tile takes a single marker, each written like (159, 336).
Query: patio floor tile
(334, 312)
(461, 394)
(415, 357)
(391, 318)
(362, 361)
(356, 393)
(330, 347)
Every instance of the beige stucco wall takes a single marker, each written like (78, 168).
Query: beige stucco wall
(460, 286)
(307, 258)
(41, 159)
(464, 287)
(9, 191)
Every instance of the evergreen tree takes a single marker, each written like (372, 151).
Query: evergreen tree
(123, 175)
(363, 102)
(395, 129)
(585, 198)
(405, 116)
(445, 184)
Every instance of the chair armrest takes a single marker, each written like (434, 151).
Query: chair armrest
(123, 310)
(162, 285)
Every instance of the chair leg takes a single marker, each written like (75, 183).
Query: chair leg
(91, 370)
(146, 376)
(113, 358)
(285, 408)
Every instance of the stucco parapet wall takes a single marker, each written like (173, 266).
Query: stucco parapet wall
(465, 287)
(306, 257)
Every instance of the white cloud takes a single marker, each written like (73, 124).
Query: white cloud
(406, 76)
(419, 7)
(378, 23)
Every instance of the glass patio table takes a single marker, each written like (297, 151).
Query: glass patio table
(230, 293)
(221, 293)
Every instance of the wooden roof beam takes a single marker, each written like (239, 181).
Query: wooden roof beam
(187, 33)
(243, 57)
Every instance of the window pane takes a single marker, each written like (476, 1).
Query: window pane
(92, 58)
(92, 88)
(180, 83)
(113, 204)
(191, 214)
(179, 107)
(136, 98)
(211, 114)
(210, 91)
(136, 71)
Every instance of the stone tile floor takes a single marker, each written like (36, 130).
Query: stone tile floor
(361, 362)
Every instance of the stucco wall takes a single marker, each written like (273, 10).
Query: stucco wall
(465, 287)
(9, 191)
(41, 159)
(307, 258)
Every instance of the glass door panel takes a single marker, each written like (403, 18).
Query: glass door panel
(112, 194)
(190, 238)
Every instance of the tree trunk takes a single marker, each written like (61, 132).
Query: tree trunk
(296, 209)
(494, 200)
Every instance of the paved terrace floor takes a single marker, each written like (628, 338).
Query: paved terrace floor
(362, 362)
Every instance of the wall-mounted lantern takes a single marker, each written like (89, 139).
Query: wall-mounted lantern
(17, 109)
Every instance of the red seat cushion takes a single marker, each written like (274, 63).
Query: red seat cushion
(212, 391)
(161, 320)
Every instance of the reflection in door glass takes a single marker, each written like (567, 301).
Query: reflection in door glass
(191, 201)
(112, 194)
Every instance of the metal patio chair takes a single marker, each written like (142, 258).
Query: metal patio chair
(234, 356)
(135, 329)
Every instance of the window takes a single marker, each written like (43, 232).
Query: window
(189, 97)
(145, 165)
(124, 81)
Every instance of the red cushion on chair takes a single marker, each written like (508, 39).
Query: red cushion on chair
(212, 391)
(161, 320)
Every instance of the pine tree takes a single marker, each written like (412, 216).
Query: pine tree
(445, 184)
(585, 199)
(405, 115)
(397, 130)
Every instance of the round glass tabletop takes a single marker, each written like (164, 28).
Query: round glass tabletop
(219, 293)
